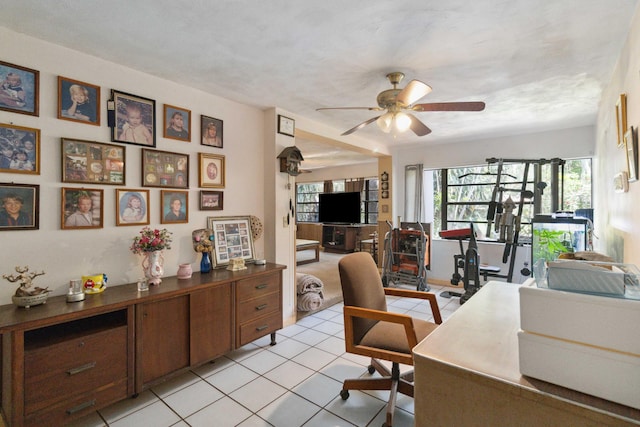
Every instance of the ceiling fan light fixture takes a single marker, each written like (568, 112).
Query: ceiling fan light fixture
(402, 122)
(385, 122)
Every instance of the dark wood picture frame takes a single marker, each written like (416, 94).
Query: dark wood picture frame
(125, 107)
(93, 162)
(78, 101)
(211, 200)
(132, 207)
(73, 214)
(19, 89)
(211, 170)
(286, 125)
(25, 206)
(631, 144)
(169, 207)
(164, 169)
(207, 126)
(15, 154)
(171, 116)
(233, 239)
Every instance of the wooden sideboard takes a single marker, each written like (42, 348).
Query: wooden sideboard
(467, 374)
(61, 361)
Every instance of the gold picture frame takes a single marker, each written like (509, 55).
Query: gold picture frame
(93, 162)
(19, 149)
(211, 170)
(132, 207)
(82, 208)
(621, 118)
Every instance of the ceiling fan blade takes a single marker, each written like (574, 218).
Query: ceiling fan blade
(360, 126)
(418, 127)
(351, 108)
(449, 106)
(413, 92)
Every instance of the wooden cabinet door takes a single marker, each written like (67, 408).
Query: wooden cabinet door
(162, 338)
(211, 323)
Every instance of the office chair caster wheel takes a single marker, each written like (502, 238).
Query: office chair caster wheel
(344, 394)
(371, 369)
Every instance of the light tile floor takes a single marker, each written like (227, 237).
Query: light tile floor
(294, 383)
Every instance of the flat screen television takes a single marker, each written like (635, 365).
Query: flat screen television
(339, 208)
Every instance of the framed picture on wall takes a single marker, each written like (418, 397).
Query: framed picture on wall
(134, 119)
(631, 143)
(211, 200)
(211, 170)
(232, 239)
(19, 149)
(621, 118)
(19, 206)
(81, 208)
(177, 123)
(78, 101)
(211, 131)
(174, 206)
(92, 162)
(132, 207)
(164, 169)
(19, 89)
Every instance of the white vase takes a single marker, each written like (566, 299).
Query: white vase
(153, 267)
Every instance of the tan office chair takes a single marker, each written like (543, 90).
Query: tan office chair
(372, 331)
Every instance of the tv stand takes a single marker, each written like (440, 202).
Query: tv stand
(340, 238)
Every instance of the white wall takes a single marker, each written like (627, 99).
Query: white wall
(362, 170)
(69, 254)
(617, 216)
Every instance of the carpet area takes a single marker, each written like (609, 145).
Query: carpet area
(327, 271)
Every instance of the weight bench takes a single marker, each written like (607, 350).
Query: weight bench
(304, 245)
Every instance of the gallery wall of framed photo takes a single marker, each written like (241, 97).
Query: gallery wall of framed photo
(125, 143)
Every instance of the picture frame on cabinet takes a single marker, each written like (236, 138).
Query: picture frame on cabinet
(19, 89)
(132, 207)
(232, 239)
(81, 208)
(19, 206)
(211, 170)
(93, 162)
(78, 101)
(164, 169)
(211, 200)
(134, 119)
(19, 149)
(212, 132)
(631, 144)
(174, 207)
(177, 123)
(621, 118)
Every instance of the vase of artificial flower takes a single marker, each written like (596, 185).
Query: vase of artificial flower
(205, 262)
(151, 243)
(203, 243)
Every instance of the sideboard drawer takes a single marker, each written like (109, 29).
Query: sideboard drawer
(255, 329)
(58, 371)
(257, 307)
(257, 286)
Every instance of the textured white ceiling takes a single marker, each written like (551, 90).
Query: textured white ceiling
(538, 65)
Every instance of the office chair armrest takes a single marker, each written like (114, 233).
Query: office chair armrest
(351, 312)
(407, 293)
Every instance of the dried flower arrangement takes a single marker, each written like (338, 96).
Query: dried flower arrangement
(202, 240)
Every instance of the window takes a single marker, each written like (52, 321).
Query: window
(463, 195)
(307, 199)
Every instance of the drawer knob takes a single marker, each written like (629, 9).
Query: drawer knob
(261, 286)
(79, 369)
(81, 406)
(261, 328)
(261, 307)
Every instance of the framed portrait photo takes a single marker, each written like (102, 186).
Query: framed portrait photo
(232, 239)
(177, 123)
(132, 207)
(134, 120)
(174, 207)
(19, 149)
(19, 206)
(82, 208)
(78, 101)
(211, 131)
(92, 162)
(211, 170)
(164, 169)
(211, 200)
(19, 89)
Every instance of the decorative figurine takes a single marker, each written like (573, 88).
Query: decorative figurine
(27, 294)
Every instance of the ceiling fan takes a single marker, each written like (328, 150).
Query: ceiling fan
(399, 104)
